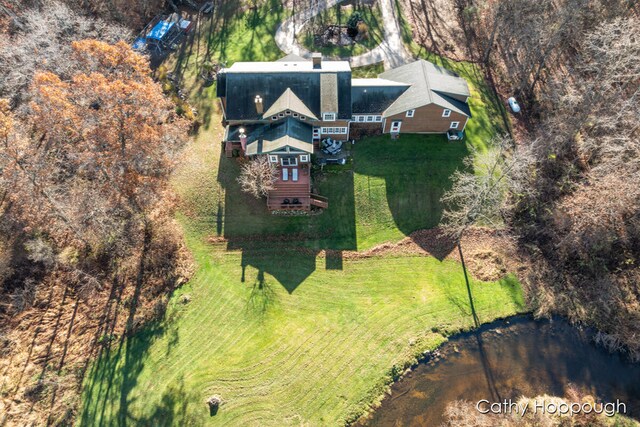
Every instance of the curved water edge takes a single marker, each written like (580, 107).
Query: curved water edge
(507, 359)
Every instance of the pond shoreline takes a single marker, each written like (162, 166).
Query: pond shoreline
(537, 347)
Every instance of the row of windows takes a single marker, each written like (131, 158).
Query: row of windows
(331, 117)
(335, 131)
(378, 119)
(445, 113)
(289, 113)
(366, 119)
(289, 161)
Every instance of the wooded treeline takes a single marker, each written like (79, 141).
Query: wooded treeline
(574, 200)
(88, 246)
(132, 14)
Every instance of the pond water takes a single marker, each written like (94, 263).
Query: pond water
(508, 359)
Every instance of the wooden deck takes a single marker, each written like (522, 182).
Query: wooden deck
(290, 194)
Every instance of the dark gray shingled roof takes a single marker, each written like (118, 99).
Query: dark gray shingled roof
(430, 84)
(263, 139)
(243, 81)
(374, 95)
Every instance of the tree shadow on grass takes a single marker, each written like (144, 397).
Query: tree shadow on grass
(114, 374)
(417, 171)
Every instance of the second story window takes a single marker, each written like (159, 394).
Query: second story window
(410, 113)
(446, 113)
(329, 117)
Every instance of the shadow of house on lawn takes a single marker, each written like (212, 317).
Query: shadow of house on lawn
(287, 247)
(415, 179)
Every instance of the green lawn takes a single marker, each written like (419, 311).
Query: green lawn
(280, 323)
(315, 355)
(338, 15)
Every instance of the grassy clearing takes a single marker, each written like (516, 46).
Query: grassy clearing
(339, 15)
(391, 189)
(317, 354)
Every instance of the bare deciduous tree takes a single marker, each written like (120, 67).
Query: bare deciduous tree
(258, 176)
(478, 192)
(44, 44)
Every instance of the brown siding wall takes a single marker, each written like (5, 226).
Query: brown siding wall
(426, 119)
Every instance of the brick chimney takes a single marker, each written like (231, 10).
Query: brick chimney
(316, 57)
(259, 105)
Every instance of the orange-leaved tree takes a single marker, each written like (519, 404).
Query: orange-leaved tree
(92, 161)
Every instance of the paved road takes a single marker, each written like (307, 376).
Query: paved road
(392, 50)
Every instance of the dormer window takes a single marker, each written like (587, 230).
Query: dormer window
(446, 113)
(281, 115)
(329, 117)
(288, 113)
(295, 114)
(303, 118)
(274, 118)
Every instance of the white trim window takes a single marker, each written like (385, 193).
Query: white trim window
(274, 118)
(395, 126)
(367, 118)
(328, 117)
(303, 118)
(410, 113)
(281, 115)
(334, 131)
(288, 112)
(454, 125)
(446, 112)
(289, 161)
(304, 158)
(273, 158)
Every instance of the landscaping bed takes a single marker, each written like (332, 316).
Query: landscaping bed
(344, 30)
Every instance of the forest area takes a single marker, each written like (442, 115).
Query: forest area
(574, 198)
(571, 197)
(89, 247)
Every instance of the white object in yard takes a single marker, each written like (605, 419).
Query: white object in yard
(285, 174)
(515, 107)
(294, 174)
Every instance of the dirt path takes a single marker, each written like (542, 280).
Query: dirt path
(391, 51)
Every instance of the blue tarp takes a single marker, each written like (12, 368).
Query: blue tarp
(160, 30)
(139, 44)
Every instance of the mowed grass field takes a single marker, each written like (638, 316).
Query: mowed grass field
(284, 333)
(277, 320)
(316, 356)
